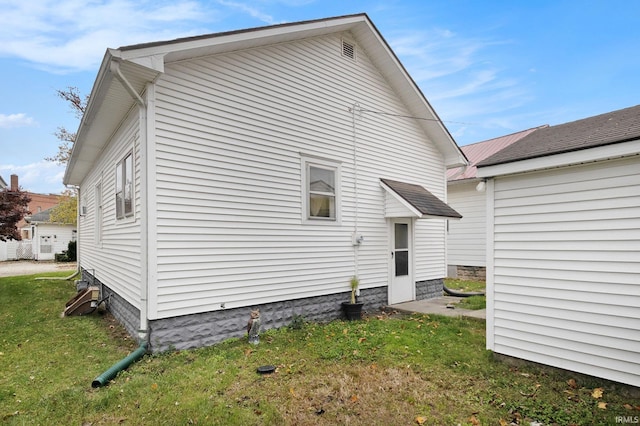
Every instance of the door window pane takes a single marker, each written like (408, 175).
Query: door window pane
(402, 263)
(401, 236)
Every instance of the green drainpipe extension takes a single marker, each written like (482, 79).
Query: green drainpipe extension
(112, 372)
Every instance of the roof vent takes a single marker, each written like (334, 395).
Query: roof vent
(348, 50)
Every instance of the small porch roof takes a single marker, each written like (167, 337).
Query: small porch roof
(417, 201)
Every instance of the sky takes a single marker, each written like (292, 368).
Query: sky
(489, 68)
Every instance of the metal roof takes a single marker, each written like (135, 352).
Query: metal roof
(480, 150)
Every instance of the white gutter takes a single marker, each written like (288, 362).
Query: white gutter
(144, 231)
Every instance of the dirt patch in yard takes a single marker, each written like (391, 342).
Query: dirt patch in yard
(28, 267)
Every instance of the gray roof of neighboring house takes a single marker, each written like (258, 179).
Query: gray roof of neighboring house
(478, 151)
(605, 129)
(421, 199)
(3, 184)
(43, 216)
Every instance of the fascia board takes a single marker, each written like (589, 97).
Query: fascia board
(589, 155)
(415, 212)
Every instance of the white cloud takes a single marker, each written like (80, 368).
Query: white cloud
(16, 120)
(250, 10)
(72, 35)
(42, 177)
(465, 80)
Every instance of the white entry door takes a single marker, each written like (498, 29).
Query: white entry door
(402, 287)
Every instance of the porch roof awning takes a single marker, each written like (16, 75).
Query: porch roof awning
(409, 200)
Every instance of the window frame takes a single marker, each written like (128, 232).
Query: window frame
(98, 200)
(122, 170)
(307, 162)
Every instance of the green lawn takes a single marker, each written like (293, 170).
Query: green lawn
(385, 370)
(468, 286)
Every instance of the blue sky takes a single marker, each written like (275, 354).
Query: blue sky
(489, 68)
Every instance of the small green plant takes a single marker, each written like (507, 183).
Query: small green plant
(355, 282)
(297, 323)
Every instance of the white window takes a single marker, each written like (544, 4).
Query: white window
(124, 187)
(321, 180)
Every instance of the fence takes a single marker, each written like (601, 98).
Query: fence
(16, 250)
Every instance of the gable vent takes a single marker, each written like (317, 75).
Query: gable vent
(348, 50)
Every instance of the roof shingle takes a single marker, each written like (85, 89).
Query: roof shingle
(421, 199)
(605, 129)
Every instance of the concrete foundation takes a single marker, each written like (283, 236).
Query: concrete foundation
(208, 328)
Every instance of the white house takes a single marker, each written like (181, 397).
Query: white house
(466, 238)
(245, 169)
(563, 246)
(48, 238)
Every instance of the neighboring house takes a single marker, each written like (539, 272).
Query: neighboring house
(49, 238)
(245, 169)
(38, 203)
(563, 253)
(466, 238)
(16, 250)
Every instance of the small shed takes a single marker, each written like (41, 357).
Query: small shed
(563, 246)
(49, 238)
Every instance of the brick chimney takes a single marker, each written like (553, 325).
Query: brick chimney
(14, 182)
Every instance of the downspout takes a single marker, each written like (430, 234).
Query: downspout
(144, 235)
(78, 216)
(124, 363)
(104, 378)
(458, 173)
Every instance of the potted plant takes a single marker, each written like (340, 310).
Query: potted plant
(353, 308)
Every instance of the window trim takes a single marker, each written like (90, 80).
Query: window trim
(98, 200)
(122, 164)
(306, 163)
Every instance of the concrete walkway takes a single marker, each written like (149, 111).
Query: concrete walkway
(445, 305)
(12, 268)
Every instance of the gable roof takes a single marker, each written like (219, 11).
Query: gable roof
(605, 129)
(124, 73)
(479, 151)
(421, 200)
(43, 216)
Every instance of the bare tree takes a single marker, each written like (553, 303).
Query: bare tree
(77, 104)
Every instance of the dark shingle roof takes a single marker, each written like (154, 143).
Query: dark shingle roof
(421, 199)
(605, 129)
(43, 216)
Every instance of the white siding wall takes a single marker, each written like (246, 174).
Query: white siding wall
(116, 258)
(62, 234)
(231, 131)
(466, 240)
(566, 284)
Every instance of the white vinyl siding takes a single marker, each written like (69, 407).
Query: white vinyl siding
(567, 268)
(112, 250)
(230, 133)
(466, 239)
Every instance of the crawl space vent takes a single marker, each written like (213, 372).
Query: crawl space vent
(348, 50)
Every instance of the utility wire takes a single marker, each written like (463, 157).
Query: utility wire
(411, 117)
